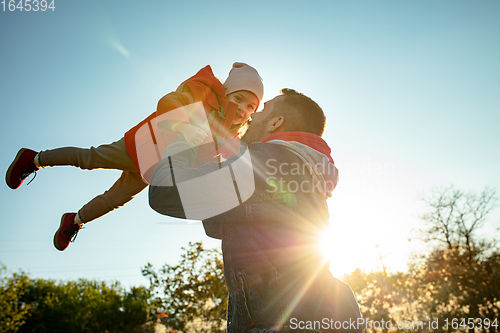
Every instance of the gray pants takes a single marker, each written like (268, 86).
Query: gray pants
(110, 156)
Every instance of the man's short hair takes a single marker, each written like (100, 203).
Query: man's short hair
(301, 113)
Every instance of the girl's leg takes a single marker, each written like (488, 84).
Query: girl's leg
(123, 190)
(107, 156)
(110, 156)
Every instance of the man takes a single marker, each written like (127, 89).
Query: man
(277, 280)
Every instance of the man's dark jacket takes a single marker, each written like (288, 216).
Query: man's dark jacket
(275, 274)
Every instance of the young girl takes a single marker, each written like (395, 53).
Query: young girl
(202, 110)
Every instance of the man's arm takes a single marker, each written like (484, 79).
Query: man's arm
(163, 194)
(178, 190)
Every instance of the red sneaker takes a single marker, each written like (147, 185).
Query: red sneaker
(22, 166)
(67, 231)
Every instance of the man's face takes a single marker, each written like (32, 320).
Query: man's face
(257, 130)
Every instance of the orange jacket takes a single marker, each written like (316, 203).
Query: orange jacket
(146, 143)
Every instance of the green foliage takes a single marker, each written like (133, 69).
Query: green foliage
(191, 295)
(456, 283)
(382, 296)
(83, 306)
(13, 311)
(75, 306)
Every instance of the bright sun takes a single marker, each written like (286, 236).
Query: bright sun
(327, 243)
(334, 247)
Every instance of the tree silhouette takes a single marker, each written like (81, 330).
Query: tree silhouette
(458, 279)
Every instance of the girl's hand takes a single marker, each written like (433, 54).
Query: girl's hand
(192, 134)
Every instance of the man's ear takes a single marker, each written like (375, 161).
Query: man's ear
(276, 124)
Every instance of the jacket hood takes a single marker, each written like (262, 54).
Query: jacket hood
(313, 150)
(207, 77)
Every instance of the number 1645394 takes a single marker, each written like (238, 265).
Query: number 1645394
(28, 5)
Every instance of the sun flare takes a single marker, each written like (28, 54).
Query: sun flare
(326, 243)
(338, 250)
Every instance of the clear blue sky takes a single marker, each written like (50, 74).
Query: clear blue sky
(410, 89)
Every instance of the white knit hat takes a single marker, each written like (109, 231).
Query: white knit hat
(244, 77)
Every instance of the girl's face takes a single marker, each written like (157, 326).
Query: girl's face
(247, 104)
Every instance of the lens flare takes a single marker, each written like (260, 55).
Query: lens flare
(114, 43)
(326, 243)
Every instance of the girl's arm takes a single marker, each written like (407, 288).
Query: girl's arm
(192, 134)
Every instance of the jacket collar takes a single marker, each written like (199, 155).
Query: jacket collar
(311, 140)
